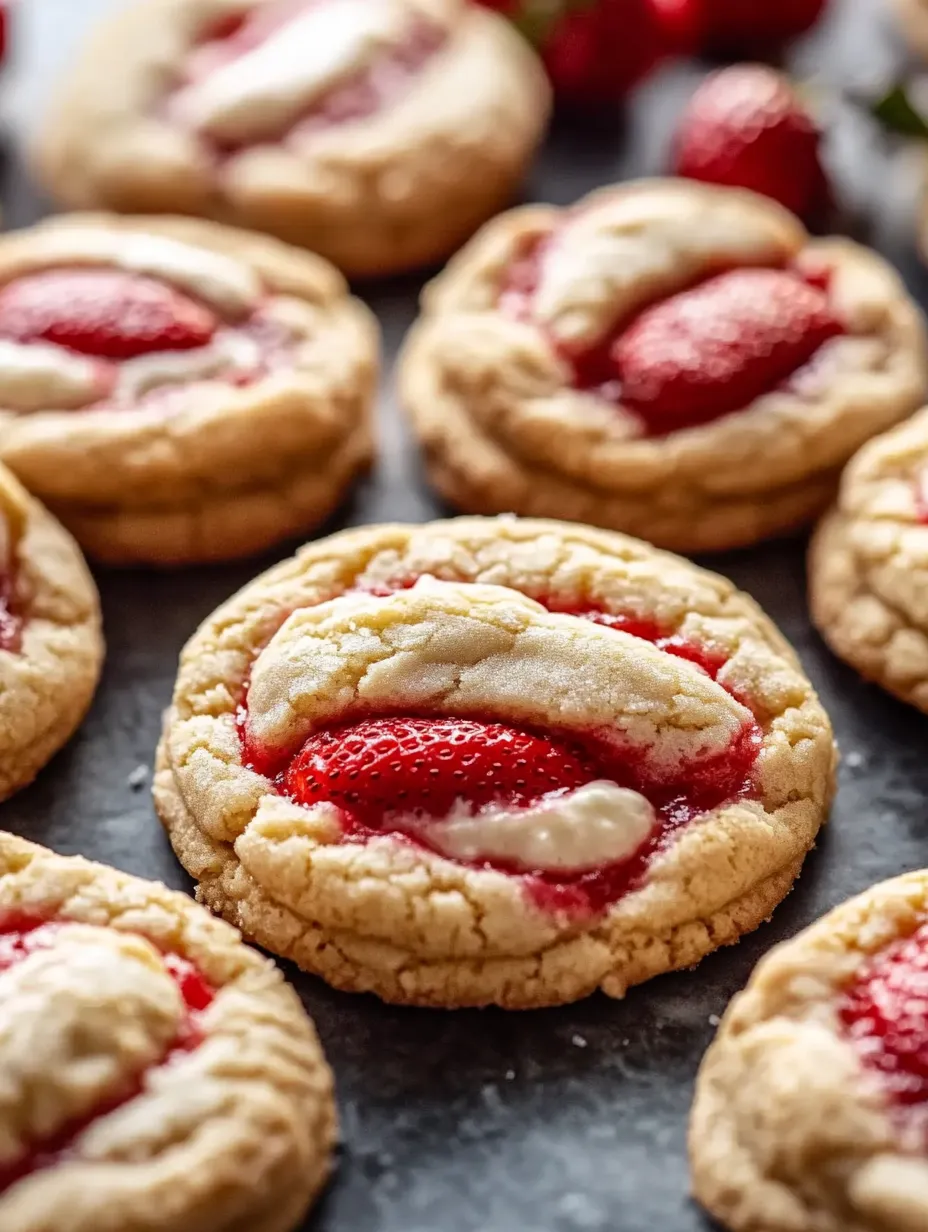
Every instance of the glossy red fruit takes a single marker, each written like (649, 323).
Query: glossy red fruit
(102, 312)
(745, 127)
(596, 51)
(717, 347)
(381, 767)
(757, 27)
(885, 1012)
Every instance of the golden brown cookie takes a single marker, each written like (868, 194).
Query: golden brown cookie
(913, 21)
(811, 1106)
(157, 1074)
(177, 391)
(379, 133)
(491, 761)
(51, 647)
(868, 564)
(666, 358)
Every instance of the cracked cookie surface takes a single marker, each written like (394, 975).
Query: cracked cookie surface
(810, 1112)
(178, 1084)
(379, 133)
(51, 645)
(674, 360)
(177, 391)
(868, 564)
(491, 761)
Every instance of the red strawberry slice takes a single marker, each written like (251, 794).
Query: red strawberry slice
(383, 767)
(714, 349)
(103, 312)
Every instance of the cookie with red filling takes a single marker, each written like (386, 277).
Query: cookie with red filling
(177, 391)
(491, 762)
(157, 1073)
(868, 563)
(676, 360)
(811, 1107)
(51, 645)
(379, 133)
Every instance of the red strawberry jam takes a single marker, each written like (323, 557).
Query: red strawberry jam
(885, 1014)
(387, 773)
(703, 353)
(22, 935)
(359, 95)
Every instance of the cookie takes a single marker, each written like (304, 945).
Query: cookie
(671, 359)
(912, 16)
(51, 646)
(868, 564)
(379, 133)
(157, 1074)
(176, 391)
(811, 1106)
(491, 762)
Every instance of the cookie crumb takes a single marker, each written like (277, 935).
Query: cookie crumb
(714, 1020)
(138, 778)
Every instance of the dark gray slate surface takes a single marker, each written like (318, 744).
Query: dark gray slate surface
(566, 1120)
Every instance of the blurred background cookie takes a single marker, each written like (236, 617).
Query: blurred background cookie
(379, 133)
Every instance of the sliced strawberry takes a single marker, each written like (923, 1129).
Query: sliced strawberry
(423, 766)
(714, 349)
(103, 312)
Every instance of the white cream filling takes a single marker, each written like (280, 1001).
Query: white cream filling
(228, 285)
(597, 824)
(266, 89)
(39, 376)
(228, 352)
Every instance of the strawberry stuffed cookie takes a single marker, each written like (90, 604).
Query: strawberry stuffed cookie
(158, 1076)
(491, 762)
(673, 359)
(811, 1108)
(51, 646)
(379, 133)
(868, 564)
(178, 391)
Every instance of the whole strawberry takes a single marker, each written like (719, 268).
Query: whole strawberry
(756, 27)
(596, 51)
(745, 127)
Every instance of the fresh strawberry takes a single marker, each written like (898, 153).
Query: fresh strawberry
(745, 127)
(108, 313)
(715, 348)
(423, 766)
(596, 51)
(757, 27)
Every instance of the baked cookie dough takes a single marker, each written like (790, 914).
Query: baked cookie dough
(868, 564)
(379, 133)
(51, 647)
(811, 1106)
(671, 359)
(491, 762)
(157, 1073)
(176, 391)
